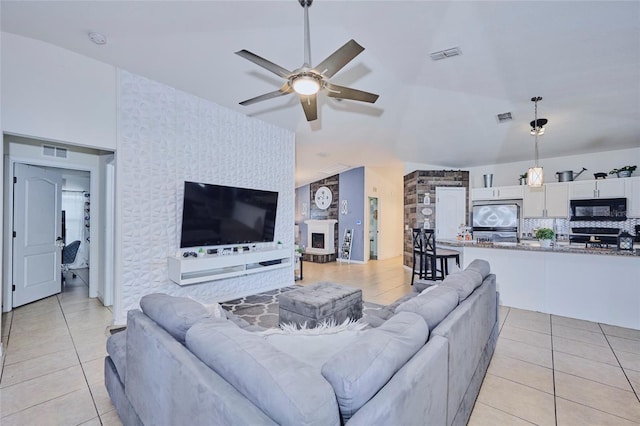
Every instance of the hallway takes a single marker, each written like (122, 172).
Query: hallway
(53, 360)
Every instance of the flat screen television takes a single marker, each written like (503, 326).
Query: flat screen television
(221, 215)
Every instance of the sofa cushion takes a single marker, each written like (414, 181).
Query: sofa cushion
(362, 369)
(463, 282)
(433, 305)
(286, 389)
(175, 314)
(117, 350)
(481, 266)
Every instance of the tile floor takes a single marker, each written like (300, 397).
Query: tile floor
(53, 360)
(546, 369)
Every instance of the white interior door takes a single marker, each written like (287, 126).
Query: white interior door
(37, 209)
(450, 211)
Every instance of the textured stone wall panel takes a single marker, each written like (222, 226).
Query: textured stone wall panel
(166, 137)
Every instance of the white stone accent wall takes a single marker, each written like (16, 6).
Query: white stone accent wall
(165, 137)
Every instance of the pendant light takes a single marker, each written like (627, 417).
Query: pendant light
(535, 175)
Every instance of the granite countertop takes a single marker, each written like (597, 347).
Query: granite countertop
(532, 245)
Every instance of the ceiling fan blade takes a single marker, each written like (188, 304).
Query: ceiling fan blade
(335, 91)
(264, 63)
(339, 59)
(310, 106)
(284, 90)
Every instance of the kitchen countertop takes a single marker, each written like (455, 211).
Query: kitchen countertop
(533, 245)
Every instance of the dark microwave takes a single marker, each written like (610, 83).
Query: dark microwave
(599, 209)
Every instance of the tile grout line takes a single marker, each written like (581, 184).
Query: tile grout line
(4, 351)
(633, 389)
(84, 374)
(553, 372)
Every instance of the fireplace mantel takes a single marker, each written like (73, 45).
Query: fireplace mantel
(325, 227)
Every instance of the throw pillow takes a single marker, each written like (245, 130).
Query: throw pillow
(286, 389)
(175, 314)
(359, 371)
(463, 282)
(432, 305)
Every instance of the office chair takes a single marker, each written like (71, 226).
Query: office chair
(69, 253)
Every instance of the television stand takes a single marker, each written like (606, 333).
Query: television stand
(194, 270)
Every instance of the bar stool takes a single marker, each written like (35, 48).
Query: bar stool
(418, 251)
(436, 257)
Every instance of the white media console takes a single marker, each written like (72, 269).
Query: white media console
(194, 270)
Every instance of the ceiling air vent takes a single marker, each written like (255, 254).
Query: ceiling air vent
(54, 151)
(505, 116)
(447, 53)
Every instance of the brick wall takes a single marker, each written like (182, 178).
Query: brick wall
(416, 185)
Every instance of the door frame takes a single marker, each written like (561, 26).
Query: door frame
(377, 230)
(8, 222)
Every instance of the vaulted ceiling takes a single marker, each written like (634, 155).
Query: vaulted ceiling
(582, 57)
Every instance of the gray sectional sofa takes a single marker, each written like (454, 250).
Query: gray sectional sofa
(420, 361)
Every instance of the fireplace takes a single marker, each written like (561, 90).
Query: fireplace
(321, 236)
(317, 240)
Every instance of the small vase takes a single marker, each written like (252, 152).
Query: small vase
(523, 181)
(624, 173)
(545, 243)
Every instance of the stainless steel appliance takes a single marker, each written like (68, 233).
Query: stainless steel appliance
(593, 236)
(496, 222)
(598, 209)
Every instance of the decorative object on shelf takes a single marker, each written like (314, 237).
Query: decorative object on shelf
(488, 180)
(568, 176)
(625, 241)
(427, 199)
(625, 171)
(323, 197)
(523, 178)
(600, 175)
(280, 244)
(427, 211)
(544, 235)
(535, 175)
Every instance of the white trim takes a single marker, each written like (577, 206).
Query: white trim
(10, 161)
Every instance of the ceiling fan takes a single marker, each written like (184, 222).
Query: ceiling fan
(307, 81)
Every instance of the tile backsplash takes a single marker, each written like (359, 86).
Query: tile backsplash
(563, 226)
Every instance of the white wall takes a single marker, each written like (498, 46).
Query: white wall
(166, 137)
(387, 185)
(1, 198)
(508, 174)
(55, 94)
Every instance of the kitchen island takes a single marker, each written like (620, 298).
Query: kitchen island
(600, 285)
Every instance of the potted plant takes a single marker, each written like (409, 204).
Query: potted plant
(523, 178)
(623, 171)
(544, 235)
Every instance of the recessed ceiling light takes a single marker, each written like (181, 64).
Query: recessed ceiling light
(97, 38)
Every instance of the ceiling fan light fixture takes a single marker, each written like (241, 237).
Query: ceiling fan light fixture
(305, 84)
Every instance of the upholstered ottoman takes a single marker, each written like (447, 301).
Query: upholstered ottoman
(319, 302)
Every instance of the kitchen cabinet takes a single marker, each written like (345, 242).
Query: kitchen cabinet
(604, 188)
(549, 200)
(632, 192)
(498, 193)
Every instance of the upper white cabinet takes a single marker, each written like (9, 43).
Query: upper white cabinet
(498, 193)
(605, 188)
(549, 200)
(632, 190)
